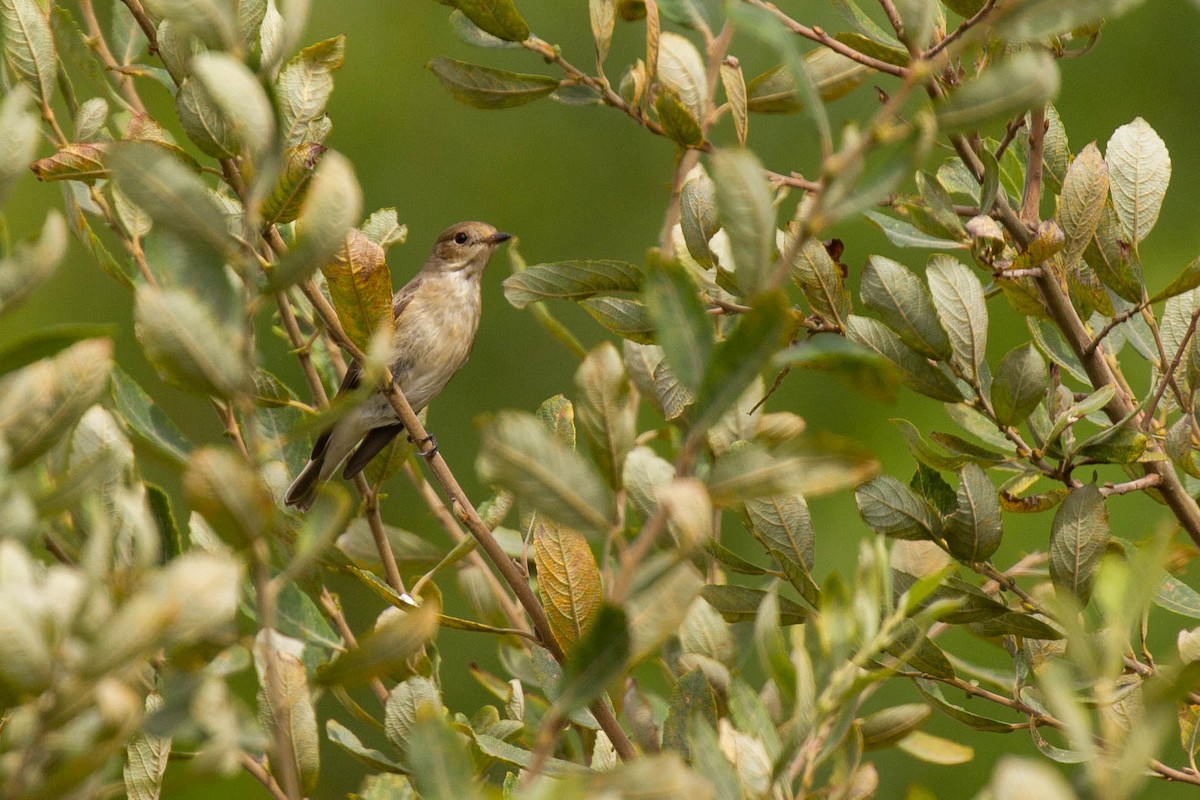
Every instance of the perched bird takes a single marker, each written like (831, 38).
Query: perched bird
(437, 315)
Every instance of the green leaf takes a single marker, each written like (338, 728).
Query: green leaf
(870, 178)
(695, 14)
(230, 496)
(1005, 89)
(958, 298)
(860, 368)
(889, 53)
(1020, 383)
(486, 87)
(783, 525)
(47, 342)
(1081, 205)
(1078, 538)
(1036, 20)
(1139, 170)
(406, 702)
(570, 280)
(1175, 595)
(821, 280)
(147, 420)
(678, 123)
(568, 581)
(918, 18)
(740, 604)
(1015, 623)
(682, 72)
(657, 611)
(887, 727)
(751, 471)
(973, 531)
(644, 472)
(174, 196)
(345, 740)
(924, 452)
(905, 234)
(387, 647)
(497, 17)
(915, 371)
(692, 696)
(744, 205)
(187, 345)
(211, 21)
(602, 15)
(40, 403)
(518, 454)
(19, 137)
(596, 660)
(557, 415)
(549, 676)
(1116, 264)
(684, 330)
(739, 359)
(936, 750)
(286, 198)
(892, 509)
(901, 300)
(288, 707)
(624, 317)
(330, 210)
(698, 218)
(29, 45)
(146, 759)
(31, 263)
(735, 93)
(512, 755)
(1184, 282)
(606, 409)
(236, 92)
(360, 286)
(303, 90)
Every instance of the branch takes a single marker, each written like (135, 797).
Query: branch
(1031, 201)
(819, 36)
(260, 774)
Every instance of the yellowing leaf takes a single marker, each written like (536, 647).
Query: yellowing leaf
(568, 580)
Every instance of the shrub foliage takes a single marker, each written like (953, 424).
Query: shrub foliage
(641, 653)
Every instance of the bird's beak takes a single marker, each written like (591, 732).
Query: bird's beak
(498, 237)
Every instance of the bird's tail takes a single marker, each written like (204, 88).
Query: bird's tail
(303, 490)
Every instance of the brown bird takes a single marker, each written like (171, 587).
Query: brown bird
(437, 316)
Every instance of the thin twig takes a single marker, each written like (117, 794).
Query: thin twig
(96, 41)
(962, 29)
(1124, 316)
(1147, 481)
(819, 36)
(256, 770)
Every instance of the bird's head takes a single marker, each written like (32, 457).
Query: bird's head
(466, 246)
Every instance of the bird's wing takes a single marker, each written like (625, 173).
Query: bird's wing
(402, 298)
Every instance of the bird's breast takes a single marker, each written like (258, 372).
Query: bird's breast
(434, 335)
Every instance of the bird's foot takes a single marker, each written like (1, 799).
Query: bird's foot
(430, 440)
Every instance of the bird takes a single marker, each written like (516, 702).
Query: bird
(437, 316)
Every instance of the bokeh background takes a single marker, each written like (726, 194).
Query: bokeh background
(575, 182)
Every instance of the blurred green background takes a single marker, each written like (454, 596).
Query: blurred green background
(589, 183)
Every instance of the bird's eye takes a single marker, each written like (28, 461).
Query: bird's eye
(460, 238)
